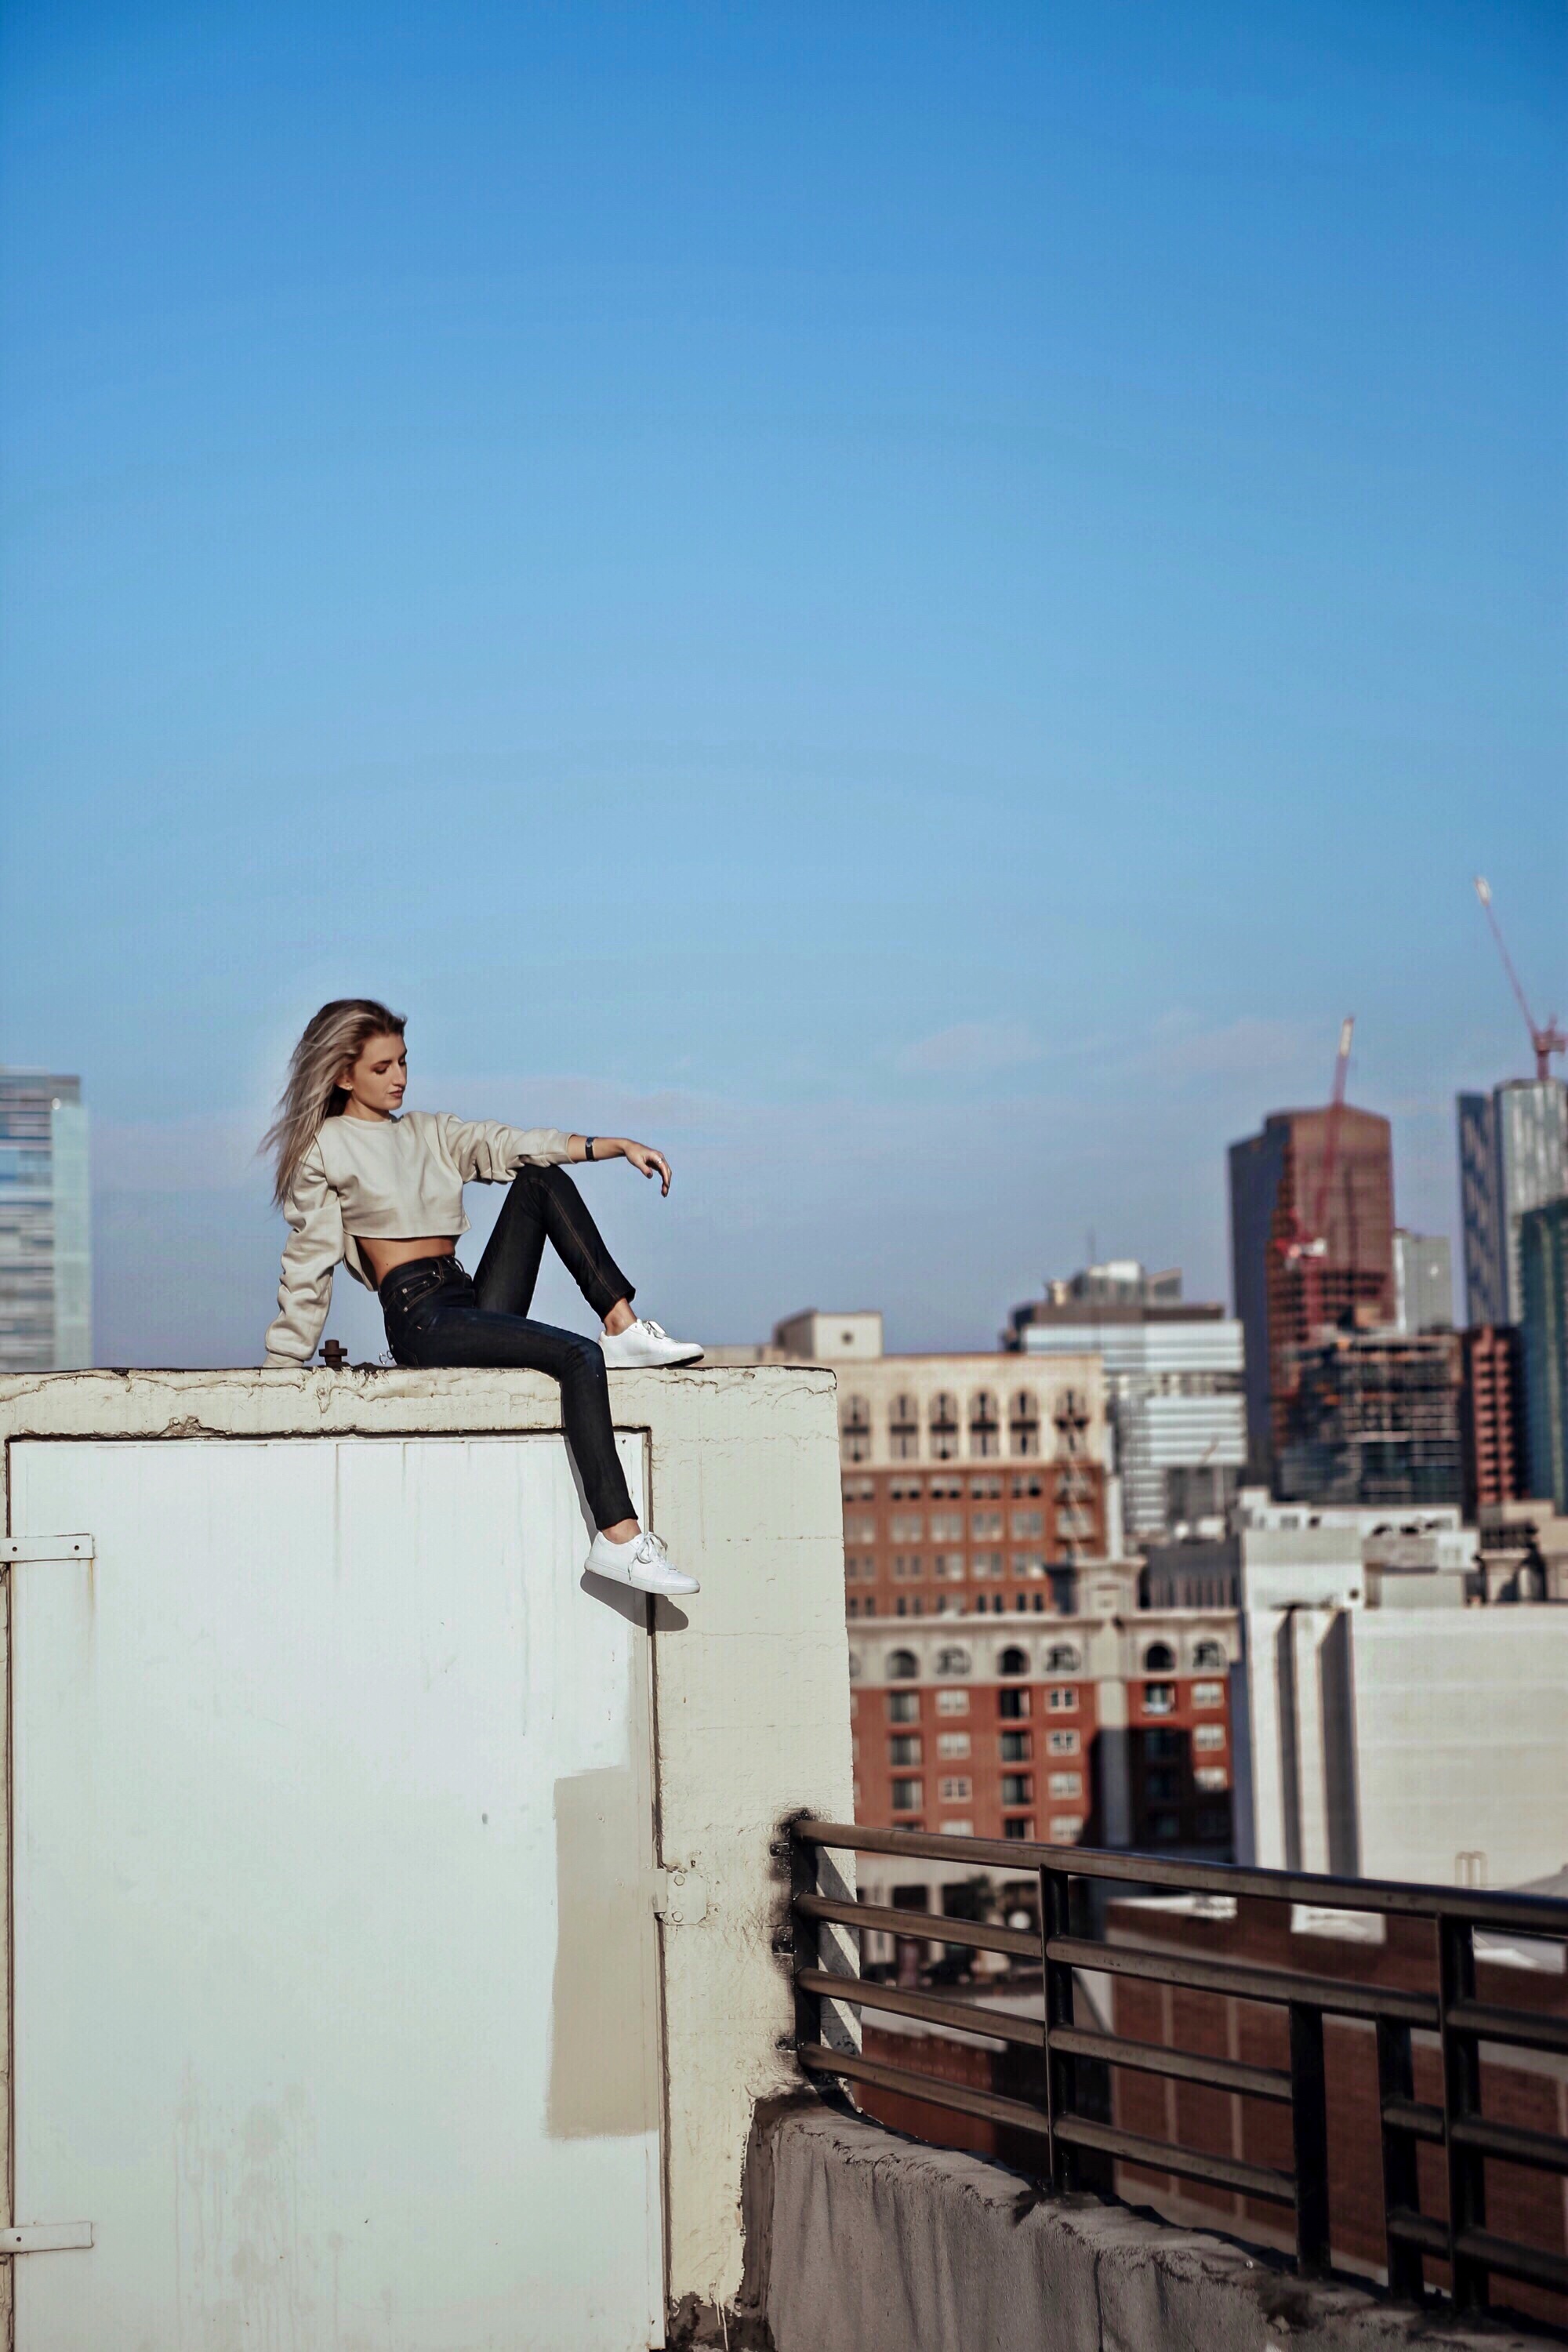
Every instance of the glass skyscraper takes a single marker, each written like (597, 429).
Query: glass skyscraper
(45, 1259)
(1513, 1157)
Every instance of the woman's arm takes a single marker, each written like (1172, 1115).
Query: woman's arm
(310, 1258)
(643, 1157)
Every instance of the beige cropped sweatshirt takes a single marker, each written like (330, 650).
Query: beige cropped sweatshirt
(390, 1180)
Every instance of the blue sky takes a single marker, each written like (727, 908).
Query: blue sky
(911, 602)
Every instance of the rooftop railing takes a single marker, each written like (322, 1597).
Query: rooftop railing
(1060, 2121)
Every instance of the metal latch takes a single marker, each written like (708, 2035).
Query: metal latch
(46, 2238)
(28, 1548)
(680, 1898)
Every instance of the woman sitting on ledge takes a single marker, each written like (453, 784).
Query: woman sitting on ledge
(383, 1194)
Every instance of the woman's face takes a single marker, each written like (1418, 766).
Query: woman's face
(376, 1083)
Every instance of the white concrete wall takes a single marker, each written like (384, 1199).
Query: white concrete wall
(750, 1681)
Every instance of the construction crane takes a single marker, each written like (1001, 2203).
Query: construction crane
(1306, 1243)
(1547, 1041)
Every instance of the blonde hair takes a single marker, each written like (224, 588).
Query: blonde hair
(333, 1041)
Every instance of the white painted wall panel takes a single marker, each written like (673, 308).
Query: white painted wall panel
(335, 1988)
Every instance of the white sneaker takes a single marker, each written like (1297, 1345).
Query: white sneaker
(642, 1563)
(644, 1344)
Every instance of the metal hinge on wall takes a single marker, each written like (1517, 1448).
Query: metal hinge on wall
(46, 2238)
(680, 1898)
(22, 1548)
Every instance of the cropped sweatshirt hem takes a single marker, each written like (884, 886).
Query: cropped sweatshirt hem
(384, 1179)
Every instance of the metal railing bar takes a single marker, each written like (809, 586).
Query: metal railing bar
(1520, 2026)
(920, 1927)
(961, 2016)
(1536, 1914)
(1514, 2261)
(1224, 2171)
(1271, 1985)
(1186, 2065)
(1415, 2117)
(936, 2092)
(1511, 2144)
(1418, 2230)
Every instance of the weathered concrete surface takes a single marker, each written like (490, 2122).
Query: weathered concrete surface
(750, 1684)
(869, 2243)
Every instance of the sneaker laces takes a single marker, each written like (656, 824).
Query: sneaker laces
(650, 1552)
(654, 1331)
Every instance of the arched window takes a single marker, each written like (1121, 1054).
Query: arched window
(1070, 1416)
(854, 1666)
(903, 1667)
(1208, 1654)
(855, 1430)
(984, 1426)
(944, 1427)
(1159, 1658)
(954, 1661)
(904, 1429)
(1013, 1662)
(1025, 1421)
(1061, 1658)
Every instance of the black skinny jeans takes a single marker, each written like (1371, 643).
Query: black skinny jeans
(436, 1315)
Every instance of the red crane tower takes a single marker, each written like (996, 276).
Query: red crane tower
(1306, 1243)
(1547, 1041)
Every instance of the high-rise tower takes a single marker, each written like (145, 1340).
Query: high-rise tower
(45, 1270)
(1285, 1296)
(1513, 1157)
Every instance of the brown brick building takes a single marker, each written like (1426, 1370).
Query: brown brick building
(1491, 1416)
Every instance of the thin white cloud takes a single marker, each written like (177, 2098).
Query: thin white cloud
(971, 1048)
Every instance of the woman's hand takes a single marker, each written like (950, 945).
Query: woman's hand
(647, 1162)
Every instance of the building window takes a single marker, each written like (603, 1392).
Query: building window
(944, 1427)
(1159, 1698)
(954, 1660)
(855, 1430)
(860, 1531)
(1062, 1743)
(1062, 1658)
(854, 1666)
(984, 1427)
(1163, 1785)
(1207, 1655)
(1066, 1784)
(1066, 1829)
(1028, 1526)
(905, 1490)
(1023, 1422)
(907, 1566)
(958, 1829)
(906, 1526)
(955, 1792)
(1208, 1736)
(952, 1701)
(1016, 1828)
(904, 1748)
(1064, 1702)
(907, 1798)
(1161, 1747)
(947, 1527)
(1017, 1788)
(1208, 1693)
(904, 1429)
(984, 1526)
(1024, 1485)
(1015, 1748)
(987, 1489)
(1013, 1662)
(1028, 1567)
(1011, 1705)
(985, 1563)
(949, 1564)
(1070, 1417)
(903, 1706)
(1159, 1658)
(1211, 1776)
(902, 1666)
(952, 1745)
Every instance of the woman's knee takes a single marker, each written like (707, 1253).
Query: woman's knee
(582, 1365)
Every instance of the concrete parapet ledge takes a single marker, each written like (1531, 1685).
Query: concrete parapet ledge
(862, 2241)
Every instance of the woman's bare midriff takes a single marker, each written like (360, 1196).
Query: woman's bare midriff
(382, 1256)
